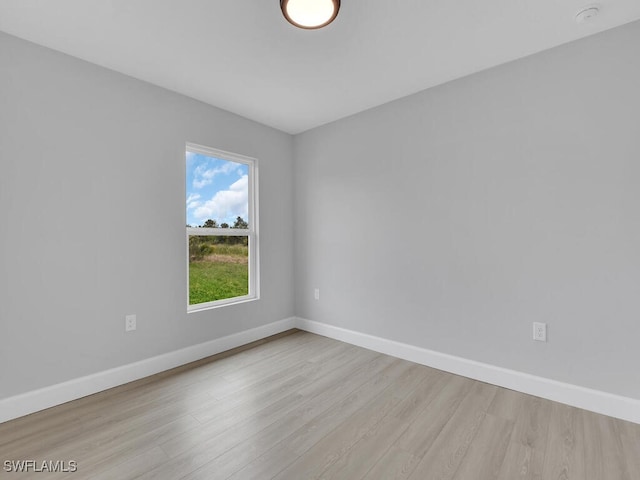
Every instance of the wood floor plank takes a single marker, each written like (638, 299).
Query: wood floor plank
(564, 457)
(532, 424)
(395, 464)
(524, 458)
(486, 452)
(94, 458)
(265, 410)
(228, 453)
(241, 378)
(104, 457)
(521, 462)
(92, 406)
(530, 416)
(507, 404)
(449, 448)
(422, 433)
(354, 463)
(133, 467)
(309, 431)
(603, 449)
(301, 406)
(357, 461)
(119, 425)
(299, 375)
(630, 438)
(109, 416)
(311, 463)
(419, 399)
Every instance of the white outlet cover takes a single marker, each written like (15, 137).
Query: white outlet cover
(540, 331)
(129, 323)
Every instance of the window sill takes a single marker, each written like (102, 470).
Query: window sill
(221, 303)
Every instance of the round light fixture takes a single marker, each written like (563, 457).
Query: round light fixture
(310, 14)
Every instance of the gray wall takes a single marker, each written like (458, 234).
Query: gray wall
(92, 212)
(454, 218)
(513, 194)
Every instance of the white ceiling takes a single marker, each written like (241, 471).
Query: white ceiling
(241, 55)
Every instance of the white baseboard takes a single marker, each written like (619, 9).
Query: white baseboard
(597, 401)
(36, 400)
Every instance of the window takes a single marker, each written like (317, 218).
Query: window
(222, 228)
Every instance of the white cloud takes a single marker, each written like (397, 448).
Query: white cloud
(226, 205)
(203, 176)
(193, 201)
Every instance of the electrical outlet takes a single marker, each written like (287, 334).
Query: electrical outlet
(316, 294)
(540, 331)
(129, 323)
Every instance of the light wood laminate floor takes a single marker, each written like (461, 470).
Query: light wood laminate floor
(302, 406)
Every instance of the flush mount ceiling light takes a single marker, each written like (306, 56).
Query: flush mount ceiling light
(310, 14)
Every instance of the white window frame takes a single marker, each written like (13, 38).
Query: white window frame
(251, 232)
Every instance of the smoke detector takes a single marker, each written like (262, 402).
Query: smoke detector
(587, 14)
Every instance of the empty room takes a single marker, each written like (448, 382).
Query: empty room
(320, 239)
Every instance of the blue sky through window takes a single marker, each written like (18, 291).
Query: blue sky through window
(216, 189)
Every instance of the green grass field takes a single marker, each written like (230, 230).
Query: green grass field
(222, 273)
